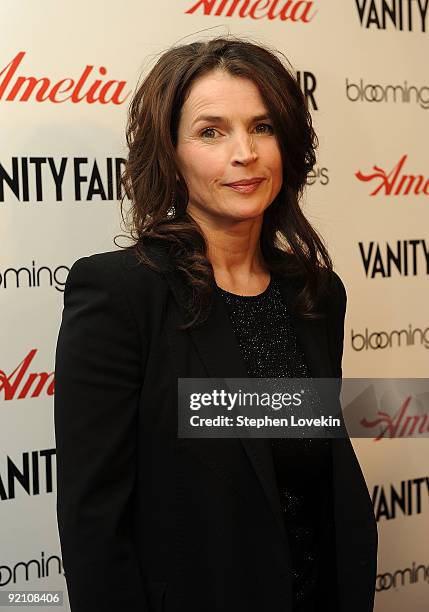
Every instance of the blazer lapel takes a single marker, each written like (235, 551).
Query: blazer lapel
(219, 351)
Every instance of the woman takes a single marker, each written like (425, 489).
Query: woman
(226, 279)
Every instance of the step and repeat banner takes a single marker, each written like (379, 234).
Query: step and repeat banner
(67, 73)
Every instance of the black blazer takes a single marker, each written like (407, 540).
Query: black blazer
(149, 522)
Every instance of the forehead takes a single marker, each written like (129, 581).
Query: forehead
(220, 91)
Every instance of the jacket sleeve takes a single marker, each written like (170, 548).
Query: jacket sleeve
(98, 374)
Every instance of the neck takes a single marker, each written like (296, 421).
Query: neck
(234, 252)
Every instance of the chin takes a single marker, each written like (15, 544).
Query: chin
(247, 214)
(250, 208)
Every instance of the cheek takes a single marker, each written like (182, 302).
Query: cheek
(277, 155)
(203, 167)
(201, 175)
(271, 155)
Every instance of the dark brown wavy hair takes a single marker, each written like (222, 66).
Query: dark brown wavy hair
(157, 214)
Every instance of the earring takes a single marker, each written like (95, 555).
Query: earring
(172, 210)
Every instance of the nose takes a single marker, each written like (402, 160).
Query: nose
(244, 150)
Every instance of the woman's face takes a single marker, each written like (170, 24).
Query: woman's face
(225, 135)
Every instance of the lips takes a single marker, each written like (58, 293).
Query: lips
(245, 182)
(248, 186)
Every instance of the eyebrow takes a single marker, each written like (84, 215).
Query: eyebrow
(217, 119)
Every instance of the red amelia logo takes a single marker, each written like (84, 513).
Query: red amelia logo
(291, 10)
(87, 88)
(21, 384)
(396, 182)
(398, 425)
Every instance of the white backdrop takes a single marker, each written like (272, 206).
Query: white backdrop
(60, 141)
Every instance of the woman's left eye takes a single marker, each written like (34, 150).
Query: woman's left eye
(266, 125)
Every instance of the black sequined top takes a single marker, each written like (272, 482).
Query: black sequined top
(270, 349)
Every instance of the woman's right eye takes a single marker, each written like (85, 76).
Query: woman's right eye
(207, 130)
